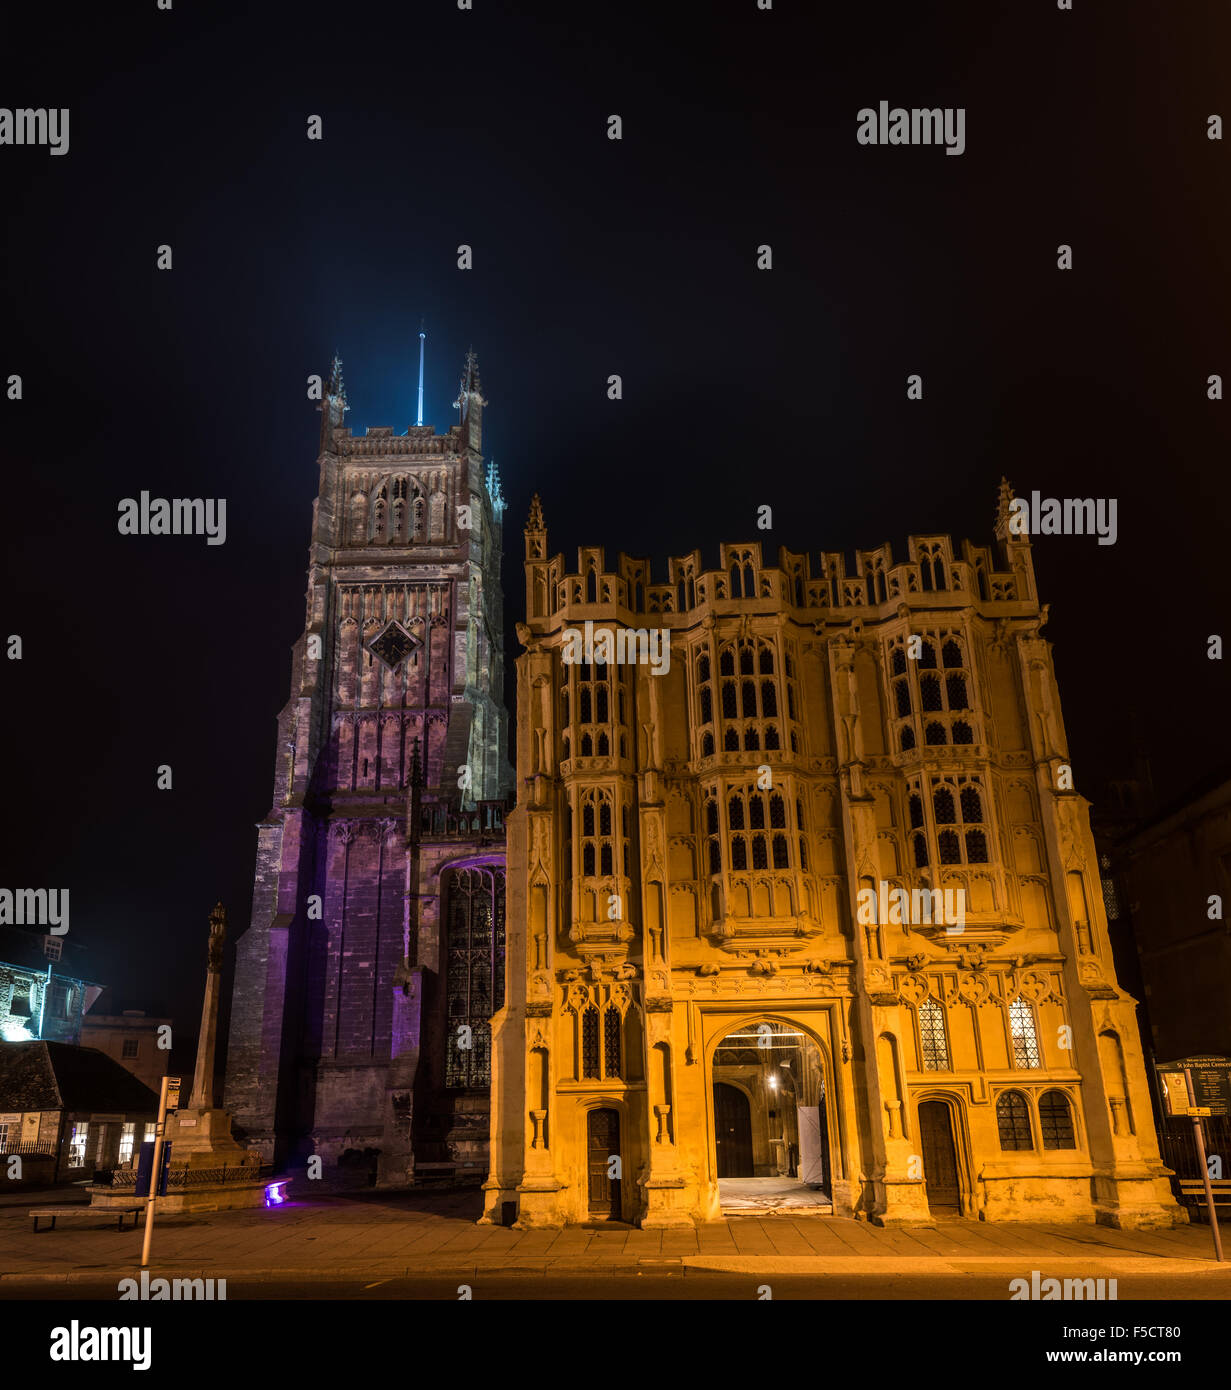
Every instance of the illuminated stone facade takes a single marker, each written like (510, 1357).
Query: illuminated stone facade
(366, 979)
(701, 1005)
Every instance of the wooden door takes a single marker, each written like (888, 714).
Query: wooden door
(603, 1144)
(732, 1132)
(939, 1157)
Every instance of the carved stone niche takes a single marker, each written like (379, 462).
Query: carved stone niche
(1094, 981)
(591, 937)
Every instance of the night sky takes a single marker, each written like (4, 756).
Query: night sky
(592, 257)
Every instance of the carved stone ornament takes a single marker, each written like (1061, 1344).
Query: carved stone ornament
(913, 989)
(973, 988)
(1034, 985)
(972, 957)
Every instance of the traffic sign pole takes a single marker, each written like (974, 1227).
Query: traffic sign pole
(1199, 1137)
(170, 1093)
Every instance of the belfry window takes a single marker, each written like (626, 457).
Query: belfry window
(474, 971)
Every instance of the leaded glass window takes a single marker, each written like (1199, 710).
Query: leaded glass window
(1013, 1121)
(613, 1059)
(589, 1044)
(474, 971)
(1026, 1044)
(1056, 1121)
(932, 1038)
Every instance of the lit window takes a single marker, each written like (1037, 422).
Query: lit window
(932, 1036)
(76, 1145)
(127, 1136)
(1026, 1044)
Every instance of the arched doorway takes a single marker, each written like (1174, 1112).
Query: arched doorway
(771, 1142)
(940, 1177)
(603, 1182)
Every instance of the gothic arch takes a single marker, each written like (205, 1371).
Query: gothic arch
(731, 1023)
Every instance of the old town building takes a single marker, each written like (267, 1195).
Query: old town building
(47, 985)
(366, 980)
(803, 905)
(141, 1043)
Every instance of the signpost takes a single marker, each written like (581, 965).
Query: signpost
(168, 1100)
(1199, 1087)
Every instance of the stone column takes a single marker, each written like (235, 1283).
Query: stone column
(207, 1045)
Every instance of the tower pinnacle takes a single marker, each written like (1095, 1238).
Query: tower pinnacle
(333, 407)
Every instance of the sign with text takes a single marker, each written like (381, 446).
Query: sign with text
(1211, 1081)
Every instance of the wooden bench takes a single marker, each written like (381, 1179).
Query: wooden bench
(1193, 1190)
(121, 1214)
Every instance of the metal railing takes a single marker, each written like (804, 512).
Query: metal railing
(29, 1146)
(124, 1178)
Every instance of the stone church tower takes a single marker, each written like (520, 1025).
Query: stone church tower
(809, 914)
(374, 958)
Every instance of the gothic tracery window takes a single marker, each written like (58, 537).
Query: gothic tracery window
(964, 836)
(474, 971)
(1024, 1034)
(932, 1040)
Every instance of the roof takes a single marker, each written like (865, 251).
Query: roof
(24, 949)
(63, 1076)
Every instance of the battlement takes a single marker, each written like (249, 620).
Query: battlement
(932, 575)
(381, 441)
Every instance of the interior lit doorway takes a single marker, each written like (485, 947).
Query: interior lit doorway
(771, 1140)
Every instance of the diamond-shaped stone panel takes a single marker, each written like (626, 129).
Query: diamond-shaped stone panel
(393, 645)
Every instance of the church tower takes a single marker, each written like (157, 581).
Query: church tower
(359, 1020)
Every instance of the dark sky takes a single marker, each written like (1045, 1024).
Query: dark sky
(592, 257)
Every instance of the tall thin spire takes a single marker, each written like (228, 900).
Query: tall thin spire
(422, 339)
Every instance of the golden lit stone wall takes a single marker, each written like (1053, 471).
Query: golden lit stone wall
(838, 804)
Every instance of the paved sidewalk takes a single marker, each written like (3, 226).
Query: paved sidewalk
(382, 1234)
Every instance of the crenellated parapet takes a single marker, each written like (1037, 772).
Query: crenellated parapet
(932, 575)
